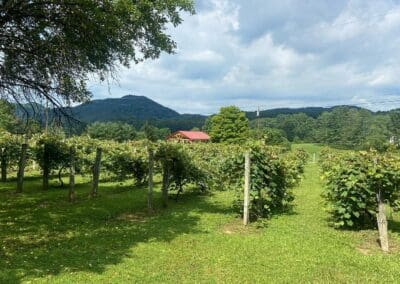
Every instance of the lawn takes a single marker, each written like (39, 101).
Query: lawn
(197, 239)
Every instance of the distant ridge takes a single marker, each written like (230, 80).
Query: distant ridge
(136, 110)
(122, 109)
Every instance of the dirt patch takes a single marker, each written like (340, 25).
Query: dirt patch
(236, 227)
(364, 251)
(138, 217)
(371, 246)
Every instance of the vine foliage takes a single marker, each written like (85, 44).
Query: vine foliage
(356, 182)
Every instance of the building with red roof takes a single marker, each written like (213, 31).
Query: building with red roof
(189, 136)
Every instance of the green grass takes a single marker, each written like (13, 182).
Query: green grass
(111, 239)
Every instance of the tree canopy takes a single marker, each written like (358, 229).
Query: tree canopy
(7, 116)
(230, 125)
(153, 133)
(117, 131)
(49, 48)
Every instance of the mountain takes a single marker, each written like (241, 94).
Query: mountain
(33, 110)
(122, 109)
(131, 109)
(135, 110)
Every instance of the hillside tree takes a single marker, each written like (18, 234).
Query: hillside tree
(230, 125)
(8, 119)
(152, 133)
(117, 131)
(394, 123)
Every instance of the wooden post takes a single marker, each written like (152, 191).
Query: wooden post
(314, 158)
(96, 172)
(21, 168)
(3, 164)
(165, 185)
(381, 218)
(71, 194)
(150, 192)
(382, 224)
(246, 214)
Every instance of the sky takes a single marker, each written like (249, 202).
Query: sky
(269, 54)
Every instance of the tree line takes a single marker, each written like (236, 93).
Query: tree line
(343, 127)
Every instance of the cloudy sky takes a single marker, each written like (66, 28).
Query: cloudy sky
(271, 54)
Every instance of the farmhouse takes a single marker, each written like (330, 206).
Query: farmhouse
(189, 136)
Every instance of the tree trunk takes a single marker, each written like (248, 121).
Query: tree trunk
(382, 225)
(71, 193)
(21, 168)
(60, 177)
(165, 186)
(45, 178)
(3, 165)
(180, 190)
(96, 172)
(150, 192)
(46, 169)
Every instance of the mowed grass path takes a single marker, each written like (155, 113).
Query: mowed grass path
(198, 239)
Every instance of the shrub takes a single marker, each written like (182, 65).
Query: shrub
(355, 183)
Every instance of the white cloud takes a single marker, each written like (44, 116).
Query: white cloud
(387, 75)
(270, 53)
(203, 56)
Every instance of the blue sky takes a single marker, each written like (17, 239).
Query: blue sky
(271, 54)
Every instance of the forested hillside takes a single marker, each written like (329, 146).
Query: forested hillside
(346, 127)
(310, 111)
(122, 109)
(134, 110)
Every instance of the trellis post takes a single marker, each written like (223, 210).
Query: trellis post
(71, 194)
(150, 191)
(246, 215)
(21, 166)
(96, 172)
(381, 219)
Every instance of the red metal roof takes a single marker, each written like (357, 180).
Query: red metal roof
(192, 135)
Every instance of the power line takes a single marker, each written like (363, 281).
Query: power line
(259, 108)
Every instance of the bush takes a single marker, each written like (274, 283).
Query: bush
(178, 167)
(353, 182)
(273, 175)
(51, 151)
(274, 171)
(126, 160)
(10, 150)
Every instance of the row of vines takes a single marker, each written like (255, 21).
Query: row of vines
(359, 185)
(274, 170)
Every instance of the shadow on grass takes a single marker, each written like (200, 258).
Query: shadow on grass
(42, 234)
(394, 226)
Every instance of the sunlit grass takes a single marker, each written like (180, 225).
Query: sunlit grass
(112, 239)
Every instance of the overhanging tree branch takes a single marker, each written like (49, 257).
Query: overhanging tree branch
(49, 48)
